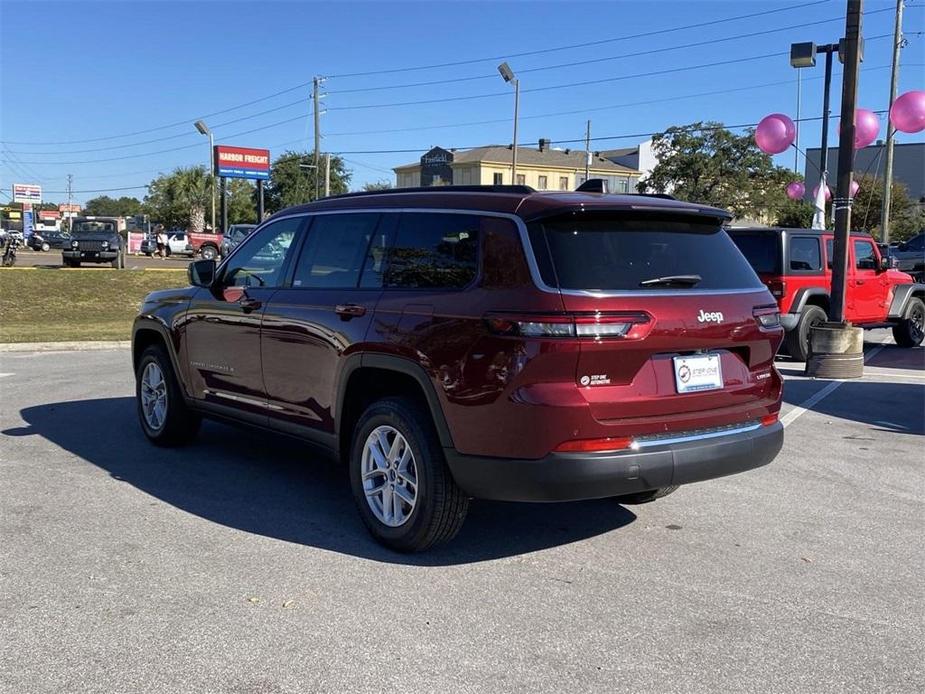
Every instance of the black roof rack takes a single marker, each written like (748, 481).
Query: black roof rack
(517, 190)
(599, 185)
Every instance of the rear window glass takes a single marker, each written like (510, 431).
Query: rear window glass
(618, 252)
(805, 254)
(762, 250)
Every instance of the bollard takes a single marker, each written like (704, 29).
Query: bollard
(836, 351)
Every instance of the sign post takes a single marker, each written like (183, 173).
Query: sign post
(27, 194)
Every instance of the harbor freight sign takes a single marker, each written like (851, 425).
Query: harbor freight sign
(242, 162)
(26, 192)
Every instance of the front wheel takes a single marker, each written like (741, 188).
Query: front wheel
(165, 419)
(911, 330)
(208, 252)
(645, 497)
(9, 260)
(45, 247)
(401, 484)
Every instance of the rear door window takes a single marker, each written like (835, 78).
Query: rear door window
(619, 252)
(335, 251)
(805, 254)
(434, 250)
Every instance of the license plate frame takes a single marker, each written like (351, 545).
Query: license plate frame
(698, 373)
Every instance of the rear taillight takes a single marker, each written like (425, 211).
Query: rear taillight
(777, 289)
(583, 326)
(769, 419)
(611, 443)
(767, 316)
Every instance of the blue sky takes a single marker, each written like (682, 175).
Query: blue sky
(78, 71)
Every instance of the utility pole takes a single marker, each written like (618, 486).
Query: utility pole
(327, 174)
(898, 44)
(70, 197)
(316, 100)
(836, 347)
(588, 151)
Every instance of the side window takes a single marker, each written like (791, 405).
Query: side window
(864, 256)
(563, 183)
(521, 179)
(829, 252)
(261, 260)
(543, 183)
(498, 179)
(805, 254)
(917, 243)
(335, 250)
(434, 250)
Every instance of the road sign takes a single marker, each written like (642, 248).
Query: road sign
(242, 162)
(26, 192)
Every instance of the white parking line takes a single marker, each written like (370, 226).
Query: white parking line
(816, 398)
(3, 375)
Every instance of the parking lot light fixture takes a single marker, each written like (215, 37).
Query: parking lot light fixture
(508, 74)
(204, 130)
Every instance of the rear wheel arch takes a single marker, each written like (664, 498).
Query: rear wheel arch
(367, 378)
(810, 296)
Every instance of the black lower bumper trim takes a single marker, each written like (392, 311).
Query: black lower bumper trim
(575, 476)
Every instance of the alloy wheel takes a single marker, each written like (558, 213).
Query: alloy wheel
(389, 476)
(153, 396)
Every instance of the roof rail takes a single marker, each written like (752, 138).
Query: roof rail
(520, 190)
(663, 196)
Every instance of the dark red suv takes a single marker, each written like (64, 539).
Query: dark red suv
(488, 342)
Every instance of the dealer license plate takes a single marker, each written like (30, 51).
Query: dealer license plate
(698, 373)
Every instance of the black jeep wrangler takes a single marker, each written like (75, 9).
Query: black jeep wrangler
(94, 240)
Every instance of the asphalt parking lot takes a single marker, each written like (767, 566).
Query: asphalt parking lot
(239, 564)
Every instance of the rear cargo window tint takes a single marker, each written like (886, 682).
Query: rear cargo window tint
(434, 251)
(805, 254)
(623, 252)
(762, 250)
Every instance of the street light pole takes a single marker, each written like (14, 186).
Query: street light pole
(204, 130)
(509, 76)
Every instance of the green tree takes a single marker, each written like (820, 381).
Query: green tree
(160, 204)
(292, 180)
(795, 214)
(241, 201)
(906, 218)
(707, 163)
(378, 185)
(105, 206)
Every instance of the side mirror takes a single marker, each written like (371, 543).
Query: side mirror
(201, 273)
(885, 264)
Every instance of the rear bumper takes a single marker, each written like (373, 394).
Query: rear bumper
(575, 476)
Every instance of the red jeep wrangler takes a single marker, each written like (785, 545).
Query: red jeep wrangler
(796, 265)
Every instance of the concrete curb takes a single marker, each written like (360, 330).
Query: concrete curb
(64, 346)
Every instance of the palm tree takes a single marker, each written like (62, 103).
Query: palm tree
(191, 189)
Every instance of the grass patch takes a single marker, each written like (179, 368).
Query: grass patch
(56, 305)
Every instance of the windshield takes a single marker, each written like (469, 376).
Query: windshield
(619, 252)
(93, 227)
(761, 249)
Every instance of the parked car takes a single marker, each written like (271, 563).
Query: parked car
(37, 242)
(148, 244)
(479, 341)
(57, 239)
(95, 240)
(206, 244)
(178, 243)
(235, 234)
(796, 265)
(910, 256)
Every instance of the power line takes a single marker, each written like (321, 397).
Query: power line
(187, 121)
(586, 44)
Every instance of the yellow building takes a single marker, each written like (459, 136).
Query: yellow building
(543, 168)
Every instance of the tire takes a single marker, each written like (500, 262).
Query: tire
(439, 507)
(910, 331)
(208, 252)
(798, 339)
(645, 497)
(45, 248)
(173, 424)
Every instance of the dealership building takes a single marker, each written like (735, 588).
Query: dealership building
(543, 168)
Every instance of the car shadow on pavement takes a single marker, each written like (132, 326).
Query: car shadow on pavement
(890, 406)
(277, 487)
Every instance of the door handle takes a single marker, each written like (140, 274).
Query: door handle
(248, 304)
(348, 311)
(859, 281)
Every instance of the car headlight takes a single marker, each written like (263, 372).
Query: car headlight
(75, 245)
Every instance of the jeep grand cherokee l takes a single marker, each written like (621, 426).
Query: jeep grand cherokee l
(487, 342)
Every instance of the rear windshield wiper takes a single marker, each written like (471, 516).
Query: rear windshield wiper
(668, 280)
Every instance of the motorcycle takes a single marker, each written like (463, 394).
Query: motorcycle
(10, 242)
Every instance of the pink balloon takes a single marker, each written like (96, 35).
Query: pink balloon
(866, 127)
(908, 112)
(828, 192)
(796, 190)
(775, 133)
(855, 187)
